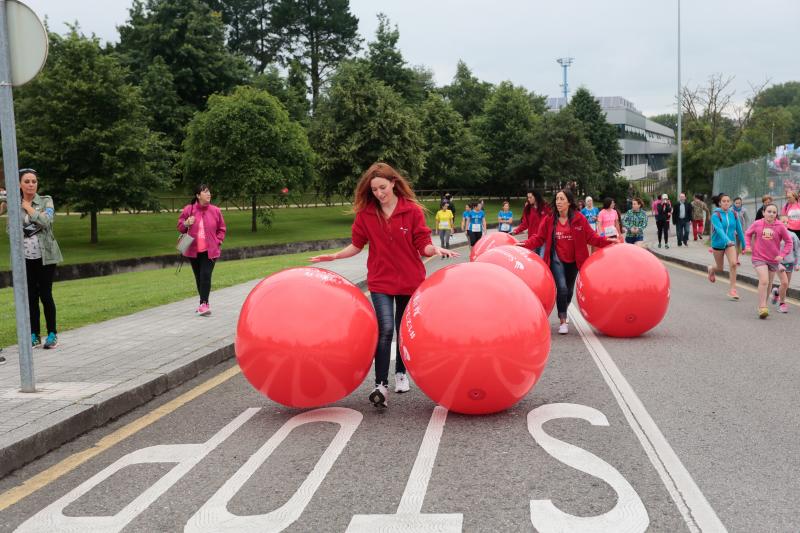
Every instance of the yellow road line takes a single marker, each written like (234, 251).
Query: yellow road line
(44, 478)
(724, 281)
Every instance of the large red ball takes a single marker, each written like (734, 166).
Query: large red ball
(306, 337)
(528, 267)
(475, 338)
(623, 290)
(489, 241)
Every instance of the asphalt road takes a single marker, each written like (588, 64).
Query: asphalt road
(692, 427)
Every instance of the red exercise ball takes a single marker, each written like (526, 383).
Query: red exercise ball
(488, 363)
(306, 337)
(489, 241)
(528, 267)
(623, 290)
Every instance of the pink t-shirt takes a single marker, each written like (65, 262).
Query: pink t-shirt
(792, 211)
(202, 246)
(606, 220)
(767, 243)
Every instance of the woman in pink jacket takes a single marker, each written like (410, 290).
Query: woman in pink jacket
(204, 222)
(765, 236)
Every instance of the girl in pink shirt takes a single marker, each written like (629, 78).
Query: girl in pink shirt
(608, 221)
(765, 237)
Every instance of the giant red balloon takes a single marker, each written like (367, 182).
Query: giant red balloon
(489, 361)
(528, 267)
(489, 241)
(306, 337)
(623, 290)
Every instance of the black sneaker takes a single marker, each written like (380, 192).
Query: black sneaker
(2, 359)
(378, 396)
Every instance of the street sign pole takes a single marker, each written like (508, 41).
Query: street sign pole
(10, 167)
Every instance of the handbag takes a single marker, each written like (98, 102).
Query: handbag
(184, 242)
(30, 229)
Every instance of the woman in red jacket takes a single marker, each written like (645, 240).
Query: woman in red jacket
(204, 222)
(390, 219)
(533, 212)
(566, 235)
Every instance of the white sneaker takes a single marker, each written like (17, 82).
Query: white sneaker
(378, 396)
(563, 329)
(401, 382)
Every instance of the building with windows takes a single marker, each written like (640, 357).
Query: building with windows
(645, 145)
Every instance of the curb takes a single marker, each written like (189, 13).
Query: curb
(740, 278)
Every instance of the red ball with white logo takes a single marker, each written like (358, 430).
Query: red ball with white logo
(623, 290)
(490, 361)
(489, 241)
(528, 267)
(306, 337)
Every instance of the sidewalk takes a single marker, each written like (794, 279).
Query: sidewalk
(104, 370)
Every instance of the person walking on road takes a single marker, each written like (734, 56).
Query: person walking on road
(476, 221)
(42, 254)
(663, 212)
(535, 209)
(444, 224)
(634, 222)
(699, 215)
(608, 220)
(682, 218)
(765, 201)
(765, 237)
(390, 219)
(203, 221)
(505, 218)
(726, 231)
(791, 262)
(791, 210)
(566, 236)
(744, 219)
(590, 212)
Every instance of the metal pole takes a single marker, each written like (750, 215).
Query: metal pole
(9, 136)
(680, 107)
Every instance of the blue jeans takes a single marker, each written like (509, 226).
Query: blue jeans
(633, 239)
(388, 322)
(565, 275)
(682, 229)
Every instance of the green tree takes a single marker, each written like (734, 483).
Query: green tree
(319, 34)
(601, 135)
(506, 130)
(387, 64)
(290, 91)
(246, 144)
(455, 158)
(84, 127)
(467, 94)
(782, 96)
(250, 31)
(669, 120)
(360, 121)
(167, 113)
(190, 38)
(563, 153)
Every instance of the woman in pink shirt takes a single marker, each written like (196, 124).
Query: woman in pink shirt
(765, 236)
(608, 221)
(204, 222)
(791, 210)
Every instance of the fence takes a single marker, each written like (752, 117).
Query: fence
(765, 175)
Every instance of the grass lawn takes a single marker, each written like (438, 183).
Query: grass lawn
(123, 236)
(87, 301)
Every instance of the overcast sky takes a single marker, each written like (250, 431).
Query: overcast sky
(621, 47)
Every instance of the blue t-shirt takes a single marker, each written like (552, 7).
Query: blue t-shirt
(476, 221)
(505, 215)
(590, 214)
(505, 221)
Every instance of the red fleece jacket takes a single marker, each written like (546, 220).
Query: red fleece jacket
(582, 235)
(395, 245)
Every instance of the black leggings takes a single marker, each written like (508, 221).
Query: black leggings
(40, 287)
(389, 310)
(663, 228)
(202, 267)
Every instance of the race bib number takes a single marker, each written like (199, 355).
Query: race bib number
(444, 225)
(610, 231)
(505, 227)
(794, 214)
(476, 228)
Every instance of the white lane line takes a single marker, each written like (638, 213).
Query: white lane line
(417, 486)
(393, 352)
(696, 511)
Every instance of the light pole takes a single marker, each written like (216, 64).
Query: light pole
(680, 110)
